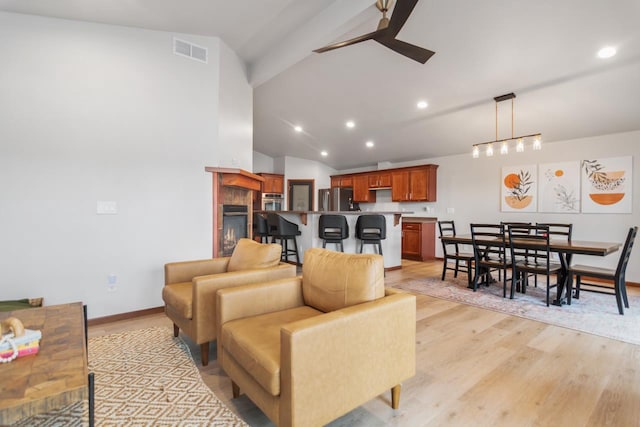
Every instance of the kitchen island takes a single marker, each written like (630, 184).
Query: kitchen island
(307, 222)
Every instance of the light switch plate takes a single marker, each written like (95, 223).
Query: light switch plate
(451, 210)
(106, 207)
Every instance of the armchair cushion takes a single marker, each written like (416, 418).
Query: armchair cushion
(250, 255)
(178, 296)
(331, 281)
(255, 343)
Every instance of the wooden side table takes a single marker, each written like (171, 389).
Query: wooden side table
(55, 377)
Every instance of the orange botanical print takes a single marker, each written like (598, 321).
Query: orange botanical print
(559, 173)
(512, 180)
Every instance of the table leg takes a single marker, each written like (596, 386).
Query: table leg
(91, 401)
(565, 280)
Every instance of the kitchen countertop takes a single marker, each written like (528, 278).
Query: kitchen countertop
(397, 215)
(342, 212)
(421, 219)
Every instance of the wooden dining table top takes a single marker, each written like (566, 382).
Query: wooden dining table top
(577, 247)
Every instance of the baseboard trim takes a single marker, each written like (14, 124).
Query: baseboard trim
(397, 267)
(124, 316)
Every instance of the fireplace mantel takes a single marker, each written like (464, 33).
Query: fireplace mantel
(237, 178)
(235, 187)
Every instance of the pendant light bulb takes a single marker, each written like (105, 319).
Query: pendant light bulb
(520, 145)
(476, 152)
(504, 148)
(489, 150)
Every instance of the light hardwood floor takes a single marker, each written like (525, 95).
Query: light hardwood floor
(477, 367)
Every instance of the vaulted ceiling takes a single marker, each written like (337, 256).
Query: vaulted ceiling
(544, 51)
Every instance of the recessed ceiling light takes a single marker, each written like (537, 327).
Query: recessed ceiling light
(607, 52)
(369, 144)
(324, 153)
(298, 128)
(351, 124)
(422, 105)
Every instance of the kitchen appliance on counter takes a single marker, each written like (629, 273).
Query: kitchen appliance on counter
(272, 202)
(336, 199)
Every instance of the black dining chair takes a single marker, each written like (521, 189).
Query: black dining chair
(617, 276)
(557, 231)
(536, 260)
(451, 252)
(489, 252)
(371, 229)
(333, 229)
(283, 230)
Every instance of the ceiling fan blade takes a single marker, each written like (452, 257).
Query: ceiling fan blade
(400, 15)
(349, 42)
(412, 51)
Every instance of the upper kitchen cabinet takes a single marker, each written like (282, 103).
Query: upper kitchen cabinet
(380, 179)
(415, 184)
(361, 192)
(273, 183)
(342, 181)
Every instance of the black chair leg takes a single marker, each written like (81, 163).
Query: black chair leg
(444, 267)
(380, 247)
(576, 295)
(623, 289)
(455, 272)
(324, 244)
(618, 293)
(295, 245)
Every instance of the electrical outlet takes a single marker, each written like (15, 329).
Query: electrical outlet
(451, 210)
(112, 281)
(106, 207)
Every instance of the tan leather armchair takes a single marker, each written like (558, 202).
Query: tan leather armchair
(307, 350)
(190, 287)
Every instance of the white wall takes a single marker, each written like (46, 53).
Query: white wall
(472, 188)
(296, 168)
(94, 112)
(235, 146)
(262, 163)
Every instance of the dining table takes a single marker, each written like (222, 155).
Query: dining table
(563, 247)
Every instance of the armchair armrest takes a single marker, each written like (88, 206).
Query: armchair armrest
(184, 271)
(341, 359)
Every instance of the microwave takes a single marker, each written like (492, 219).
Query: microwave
(272, 202)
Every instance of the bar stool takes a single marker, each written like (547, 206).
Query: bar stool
(333, 229)
(282, 230)
(371, 229)
(260, 228)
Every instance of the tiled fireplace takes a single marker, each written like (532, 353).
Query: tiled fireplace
(232, 200)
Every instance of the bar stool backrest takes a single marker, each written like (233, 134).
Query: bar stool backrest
(371, 224)
(333, 224)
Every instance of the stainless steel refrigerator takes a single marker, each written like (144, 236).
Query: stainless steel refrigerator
(336, 199)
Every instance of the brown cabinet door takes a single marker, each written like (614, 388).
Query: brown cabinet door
(380, 180)
(418, 184)
(400, 186)
(341, 181)
(273, 183)
(411, 241)
(361, 193)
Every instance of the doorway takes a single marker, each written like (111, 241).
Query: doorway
(300, 194)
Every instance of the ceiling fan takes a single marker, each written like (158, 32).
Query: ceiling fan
(387, 31)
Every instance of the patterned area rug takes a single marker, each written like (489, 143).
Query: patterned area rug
(593, 313)
(143, 378)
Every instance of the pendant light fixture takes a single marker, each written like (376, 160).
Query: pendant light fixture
(503, 144)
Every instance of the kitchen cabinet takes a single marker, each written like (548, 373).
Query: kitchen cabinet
(414, 184)
(380, 180)
(361, 192)
(410, 184)
(418, 240)
(273, 183)
(342, 181)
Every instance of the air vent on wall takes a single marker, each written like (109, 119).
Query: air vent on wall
(190, 50)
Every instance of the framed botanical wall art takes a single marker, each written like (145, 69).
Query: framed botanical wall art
(607, 185)
(559, 190)
(519, 189)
